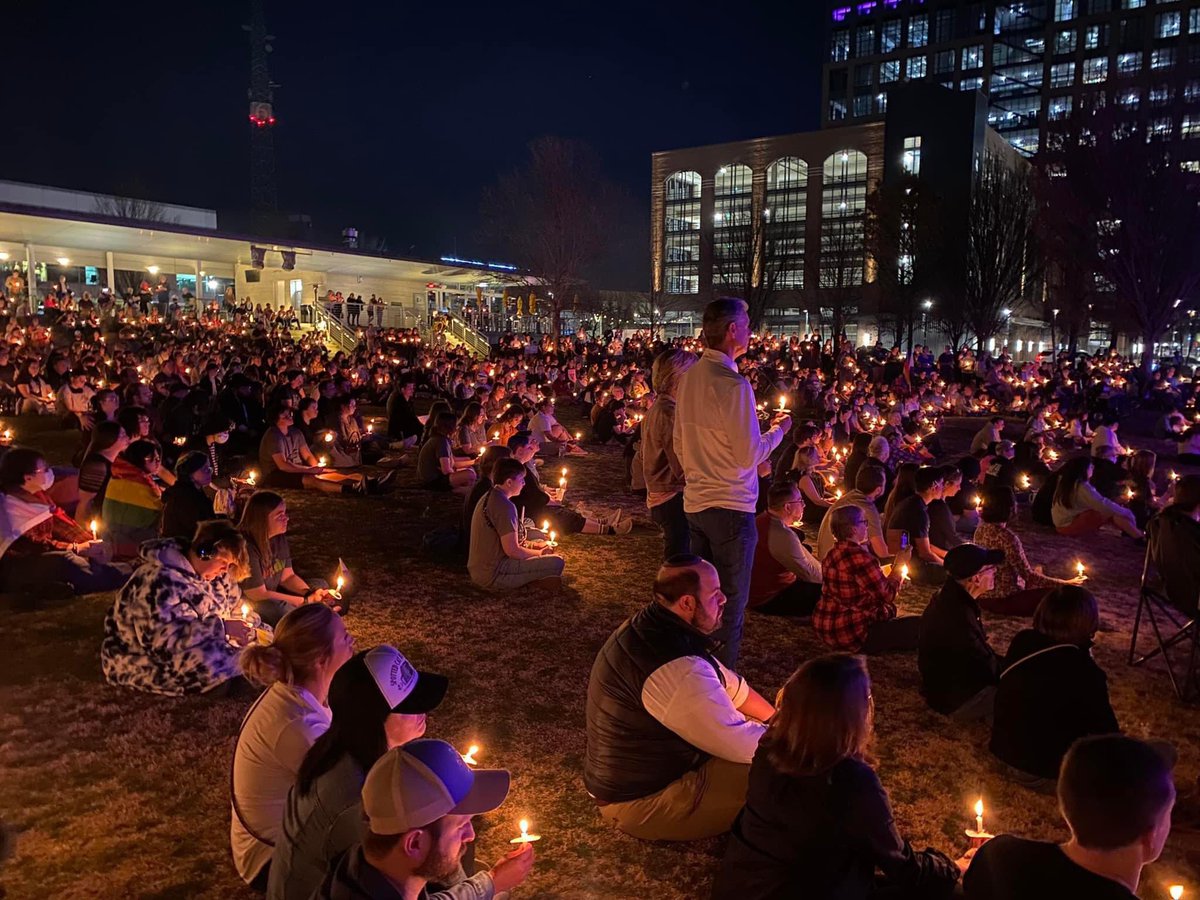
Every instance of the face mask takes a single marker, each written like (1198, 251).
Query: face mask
(222, 437)
(47, 481)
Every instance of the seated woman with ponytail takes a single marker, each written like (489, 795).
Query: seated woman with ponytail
(176, 625)
(132, 508)
(310, 645)
(272, 586)
(372, 711)
(40, 545)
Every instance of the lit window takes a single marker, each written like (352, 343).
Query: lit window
(839, 45)
(1166, 25)
(843, 202)
(1191, 90)
(837, 110)
(1129, 99)
(1095, 37)
(1194, 20)
(1161, 94)
(1190, 127)
(681, 262)
(912, 155)
(1190, 165)
(943, 61)
(972, 57)
(1064, 10)
(1129, 63)
(889, 36)
(862, 106)
(918, 31)
(1062, 74)
(787, 199)
(1132, 4)
(1060, 108)
(915, 67)
(1163, 59)
(1064, 41)
(889, 71)
(971, 84)
(1095, 69)
(1159, 129)
(864, 41)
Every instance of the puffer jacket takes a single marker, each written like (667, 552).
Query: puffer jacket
(165, 633)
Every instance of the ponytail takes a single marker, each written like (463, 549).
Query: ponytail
(303, 638)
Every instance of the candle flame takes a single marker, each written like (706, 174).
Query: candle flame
(340, 582)
(979, 807)
(1079, 567)
(552, 536)
(1176, 891)
(524, 826)
(245, 610)
(329, 437)
(903, 572)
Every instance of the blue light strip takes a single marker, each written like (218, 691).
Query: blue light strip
(477, 262)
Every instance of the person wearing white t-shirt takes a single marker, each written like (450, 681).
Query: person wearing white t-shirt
(310, 644)
(549, 432)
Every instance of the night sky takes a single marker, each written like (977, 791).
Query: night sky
(394, 117)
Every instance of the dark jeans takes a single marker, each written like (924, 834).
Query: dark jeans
(892, 636)
(797, 599)
(670, 517)
(85, 576)
(727, 538)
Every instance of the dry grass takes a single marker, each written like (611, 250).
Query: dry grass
(119, 794)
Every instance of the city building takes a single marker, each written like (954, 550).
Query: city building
(1036, 61)
(725, 213)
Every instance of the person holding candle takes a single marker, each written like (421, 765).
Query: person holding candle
(403, 425)
(271, 585)
(549, 432)
(42, 548)
(1116, 795)
(787, 577)
(869, 484)
(671, 730)
(857, 609)
(108, 442)
(817, 821)
(958, 666)
(419, 800)
(988, 435)
(175, 627)
(377, 700)
(538, 503)
(911, 515)
(1174, 545)
(1079, 509)
(296, 668)
(661, 467)
(496, 559)
(721, 448)
(1019, 586)
(187, 503)
(132, 507)
(1142, 495)
(287, 462)
(1051, 691)
(438, 469)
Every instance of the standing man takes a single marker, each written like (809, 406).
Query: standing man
(718, 441)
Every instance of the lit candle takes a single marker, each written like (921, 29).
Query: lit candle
(180, 441)
(469, 756)
(1025, 482)
(562, 484)
(579, 435)
(1079, 569)
(8, 435)
(1174, 475)
(837, 494)
(336, 593)
(979, 816)
(322, 462)
(495, 435)
(904, 573)
(1129, 495)
(329, 437)
(545, 525)
(782, 404)
(978, 502)
(95, 527)
(245, 612)
(526, 837)
(1176, 891)
(553, 543)
(253, 477)
(370, 427)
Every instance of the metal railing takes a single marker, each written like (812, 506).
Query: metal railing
(458, 330)
(336, 331)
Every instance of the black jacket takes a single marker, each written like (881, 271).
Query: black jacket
(402, 418)
(1049, 695)
(822, 836)
(184, 506)
(630, 754)
(953, 655)
(1175, 552)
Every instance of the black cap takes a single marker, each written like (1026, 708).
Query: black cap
(965, 560)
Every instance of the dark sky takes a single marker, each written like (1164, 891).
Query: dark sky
(394, 117)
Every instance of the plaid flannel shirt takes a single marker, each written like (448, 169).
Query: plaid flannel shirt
(854, 594)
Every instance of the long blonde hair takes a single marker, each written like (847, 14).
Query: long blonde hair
(667, 369)
(255, 525)
(303, 638)
(824, 714)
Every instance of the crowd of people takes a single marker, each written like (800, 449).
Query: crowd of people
(788, 476)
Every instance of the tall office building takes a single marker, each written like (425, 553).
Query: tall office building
(1036, 61)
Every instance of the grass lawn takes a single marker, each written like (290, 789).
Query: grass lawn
(117, 794)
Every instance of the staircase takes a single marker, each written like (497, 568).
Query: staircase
(460, 333)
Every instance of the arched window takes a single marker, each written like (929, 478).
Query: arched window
(784, 212)
(843, 205)
(681, 240)
(733, 200)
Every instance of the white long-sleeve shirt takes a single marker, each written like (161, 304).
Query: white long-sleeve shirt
(687, 697)
(717, 436)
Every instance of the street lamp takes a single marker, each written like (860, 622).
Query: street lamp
(926, 306)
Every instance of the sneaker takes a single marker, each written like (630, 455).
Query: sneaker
(577, 451)
(623, 525)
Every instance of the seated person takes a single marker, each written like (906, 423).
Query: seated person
(40, 545)
(670, 730)
(1019, 587)
(1141, 494)
(470, 431)
(108, 442)
(999, 468)
(377, 701)
(911, 516)
(1188, 446)
(962, 504)
(958, 666)
(857, 609)
(1078, 508)
(786, 578)
(1108, 474)
(287, 462)
(987, 435)
(1051, 691)
(549, 432)
(815, 809)
(1116, 795)
(132, 508)
(496, 559)
(403, 425)
(869, 484)
(804, 473)
(487, 462)
(943, 527)
(418, 801)
(438, 469)
(170, 628)
(1174, 545)
(271, 585)
(187, 503)
(540, 506)
(296, 669)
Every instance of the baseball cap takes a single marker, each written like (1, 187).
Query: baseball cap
(403, 688)
(423, 780)
(965, 560)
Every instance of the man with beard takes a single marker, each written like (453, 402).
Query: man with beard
(670, 730)
(419, 799)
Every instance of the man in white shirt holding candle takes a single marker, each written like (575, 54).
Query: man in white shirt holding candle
(720, 445)
(670, 729)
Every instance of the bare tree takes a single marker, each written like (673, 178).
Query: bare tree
(132, 209)
(1000, 245)
(839, 287)
(553, 215)
(756, 258)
